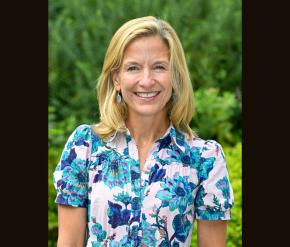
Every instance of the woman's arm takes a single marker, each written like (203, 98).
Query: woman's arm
(72, 223)
(211, 233)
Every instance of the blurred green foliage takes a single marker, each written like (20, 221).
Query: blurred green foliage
(210, 32)
(216, 112)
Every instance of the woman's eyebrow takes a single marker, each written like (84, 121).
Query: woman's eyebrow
(161, 61)
(130, 63)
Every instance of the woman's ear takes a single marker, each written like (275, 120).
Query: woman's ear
(116, 80)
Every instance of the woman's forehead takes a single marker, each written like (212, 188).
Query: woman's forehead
(148, 48)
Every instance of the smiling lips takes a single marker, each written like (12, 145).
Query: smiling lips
(147, 95)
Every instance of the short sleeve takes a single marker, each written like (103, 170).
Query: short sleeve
(70, 177)
(214, 198)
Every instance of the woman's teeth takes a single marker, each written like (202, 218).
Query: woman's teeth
(147, 95)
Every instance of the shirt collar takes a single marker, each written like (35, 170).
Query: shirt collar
(112, 137)
(176, 137)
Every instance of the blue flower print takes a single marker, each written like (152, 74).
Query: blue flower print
(199, 197)
(177, 192)
(105, 242)
(135, 170)
(61, 184)
(175, 244)
(100, 159)
(148, 234)
(223, 185)
(156, 174)
(218, 148)
(176, 155)
(132, 239)
(128, 138)
(89, 210)
(181, 226)
(210, 213)
(190, 157)
(73, 199)
(125, 198)
(216, 202)
(98, 177)
(67, 158)
(76, 177)
(96, 244)
(126, 151)
(69, 144)
(115, 170)
(77, 200)
(81, 136)
(179, 137)
(138, 187)
(62, 199)
(206, 165)
(195, 156)
(165, 243)
(136, 210)
(164, 142)
(97, 230)
(96, 142)
(117, 216)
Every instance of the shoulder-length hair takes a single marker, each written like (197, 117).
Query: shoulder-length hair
(112, 113)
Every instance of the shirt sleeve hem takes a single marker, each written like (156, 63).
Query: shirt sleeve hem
(209, 215)
(61, 200)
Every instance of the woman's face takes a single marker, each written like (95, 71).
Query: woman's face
(144, 77)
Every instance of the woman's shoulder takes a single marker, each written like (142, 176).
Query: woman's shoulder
(85, 131)
(209, 147)
(79, 146)
(81, 133)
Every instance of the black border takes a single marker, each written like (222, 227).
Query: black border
(25, 121)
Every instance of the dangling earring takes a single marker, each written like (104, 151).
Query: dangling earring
(118, 97)
(174, 97)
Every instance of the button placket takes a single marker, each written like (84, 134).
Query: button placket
(133, 154)
(148, 164)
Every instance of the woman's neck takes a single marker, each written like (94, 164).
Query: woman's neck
(145, 130)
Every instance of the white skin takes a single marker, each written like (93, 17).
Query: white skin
(145, 69)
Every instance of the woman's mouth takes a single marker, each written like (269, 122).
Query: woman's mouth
(147, 95)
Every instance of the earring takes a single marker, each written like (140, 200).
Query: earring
(174, 97)
(118, 97)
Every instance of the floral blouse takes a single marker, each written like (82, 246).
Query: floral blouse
(182, 180)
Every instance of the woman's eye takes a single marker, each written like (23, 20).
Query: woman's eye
(132, 68)
(159, 67)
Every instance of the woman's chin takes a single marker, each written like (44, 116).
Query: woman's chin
(147, 111)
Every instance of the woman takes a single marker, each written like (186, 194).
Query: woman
(141, 176)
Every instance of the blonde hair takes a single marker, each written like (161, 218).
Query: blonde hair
(112, 113)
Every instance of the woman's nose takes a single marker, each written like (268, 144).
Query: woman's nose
(146, 79)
